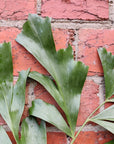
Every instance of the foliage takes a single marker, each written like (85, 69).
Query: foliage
(12, 101)
(68, 74)
(69, 77)
(106, 117)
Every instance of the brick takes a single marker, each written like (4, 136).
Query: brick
(89, 41)
(17, 9)
(27, 93)
(22, 59)
(56, 138)
(2, 122)
(75, 9)
(11, 137)
(25, 113)
(91, 137)
(89, 101)
(63, 37)
(60, 38)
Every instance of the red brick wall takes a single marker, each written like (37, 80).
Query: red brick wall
(86, 25)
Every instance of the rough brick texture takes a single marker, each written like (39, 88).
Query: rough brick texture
(11, 137)
(91, 137)
(56, 138)
(75, 9)
(89, 101)
(16, 9)
(89, 41)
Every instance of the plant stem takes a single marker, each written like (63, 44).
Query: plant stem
(87, 120)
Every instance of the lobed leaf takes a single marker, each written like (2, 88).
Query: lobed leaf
(68, 74)
(107, 60)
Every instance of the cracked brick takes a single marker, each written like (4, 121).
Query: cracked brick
(56, 138)
(89, 41)
(17, 9)
(75, 9)
(89, 101)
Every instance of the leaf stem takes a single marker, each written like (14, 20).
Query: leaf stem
(87, 120)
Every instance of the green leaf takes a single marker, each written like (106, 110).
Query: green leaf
(111, 142)
(105, 119)
(12, 99)
(107, 125)
(68, 74)
(32, 133)
(49, 85)
(50, 114)
(4, 139)
(6, 74)
(107, 60)
(107, 114)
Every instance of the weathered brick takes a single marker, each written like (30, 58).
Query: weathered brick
(91, 137)
(89, 41)
(17, 9)
(60, 38)
(25, 113)
(75, 9)
(11, 137)
(89, 101)
(56, 138)
(22, 59)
